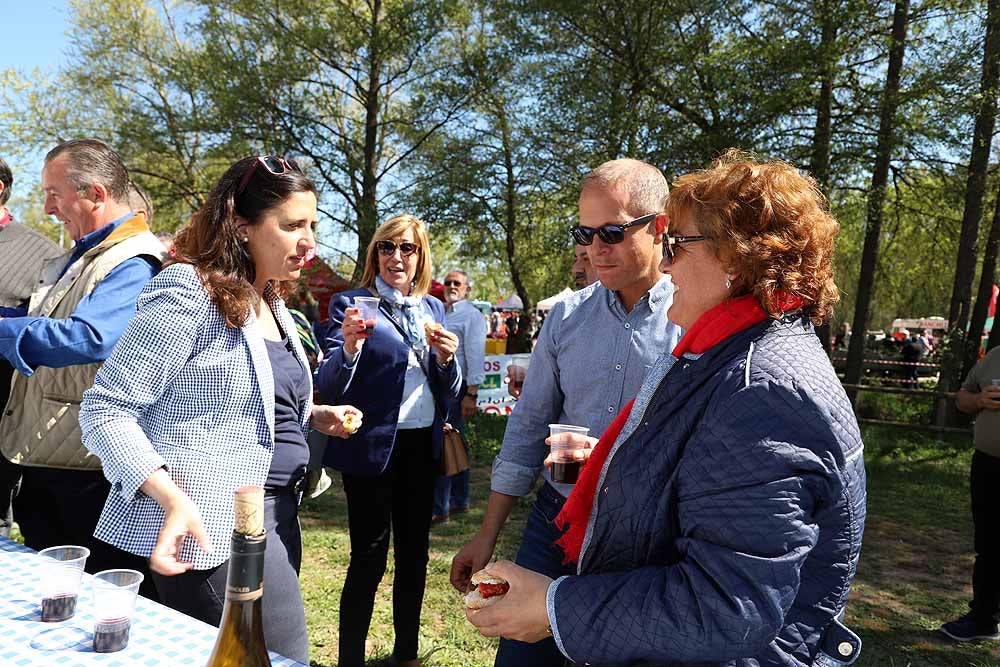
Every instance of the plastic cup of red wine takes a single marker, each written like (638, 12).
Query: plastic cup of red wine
(368, 305)
(114, 602)
(61, 572)
(517, 370)
(565, 468)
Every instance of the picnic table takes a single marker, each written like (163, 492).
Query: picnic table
(159, 635)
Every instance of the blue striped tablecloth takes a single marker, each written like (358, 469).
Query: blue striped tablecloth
(159, 635)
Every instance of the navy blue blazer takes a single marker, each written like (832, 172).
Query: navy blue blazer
(375, 386)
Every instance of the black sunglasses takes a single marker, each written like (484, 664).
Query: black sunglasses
(274, 164)
(670, 244)
(610, 233)
(387, 248)
(453, 283)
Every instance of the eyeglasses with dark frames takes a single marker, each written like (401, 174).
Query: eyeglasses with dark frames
(274, 164)
(611, 233)
(387, 248)
(670, 244)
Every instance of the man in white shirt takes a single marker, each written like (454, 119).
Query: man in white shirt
(451, 494)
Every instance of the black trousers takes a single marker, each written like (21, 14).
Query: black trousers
(54, 507)
(202, 593)
(400, 499)
(984, 483)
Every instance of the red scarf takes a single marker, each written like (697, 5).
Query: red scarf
(6, 218)
(713, 327)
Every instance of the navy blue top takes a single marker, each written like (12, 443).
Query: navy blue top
(291, 451)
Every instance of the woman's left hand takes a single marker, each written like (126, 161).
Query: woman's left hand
(445, 342)
(521, 613)
(340, 421)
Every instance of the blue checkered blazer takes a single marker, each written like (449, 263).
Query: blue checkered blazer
(184, 391)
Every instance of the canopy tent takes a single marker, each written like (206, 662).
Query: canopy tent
(546, 304)
(513, 302)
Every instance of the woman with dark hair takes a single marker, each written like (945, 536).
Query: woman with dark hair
(718, 520)
(209, 390)
(401, 373)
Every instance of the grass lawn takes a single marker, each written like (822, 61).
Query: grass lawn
(916, 560)
(915, 569)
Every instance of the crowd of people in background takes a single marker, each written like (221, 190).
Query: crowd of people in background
(146, 377)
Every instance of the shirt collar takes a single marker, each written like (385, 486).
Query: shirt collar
(659, 291)
(88, 241)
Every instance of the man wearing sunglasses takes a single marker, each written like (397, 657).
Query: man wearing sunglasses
(451, 494)
(590, 359)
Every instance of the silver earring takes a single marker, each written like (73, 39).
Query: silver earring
(729, 282)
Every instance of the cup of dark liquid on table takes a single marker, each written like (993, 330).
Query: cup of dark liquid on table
(368, 307)
(114, 601)
(563, 448)
(61, 570)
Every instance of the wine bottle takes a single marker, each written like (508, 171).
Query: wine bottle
(240, 642)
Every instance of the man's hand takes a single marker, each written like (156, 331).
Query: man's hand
(989, 398)
(468, 407)
(521, 613)
(470, 559)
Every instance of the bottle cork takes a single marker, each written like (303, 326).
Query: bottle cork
(248, 508)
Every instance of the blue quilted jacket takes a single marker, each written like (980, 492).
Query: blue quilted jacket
(728, 517)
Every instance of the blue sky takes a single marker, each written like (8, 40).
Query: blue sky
(34, 34)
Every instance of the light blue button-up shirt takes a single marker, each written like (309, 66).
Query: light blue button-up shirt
(589, 362)
(465, 321)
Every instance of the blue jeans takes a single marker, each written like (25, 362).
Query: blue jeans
(538, 552)
(452, 492)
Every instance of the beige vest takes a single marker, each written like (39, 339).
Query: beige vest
(22, 251)
(41, 423)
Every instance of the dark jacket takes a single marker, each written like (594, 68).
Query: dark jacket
(376, 388)
(728, 517)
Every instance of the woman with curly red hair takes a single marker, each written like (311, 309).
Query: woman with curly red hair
(718, 521)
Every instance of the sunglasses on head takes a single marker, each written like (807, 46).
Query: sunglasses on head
(274, 164)
(671, 243)
(610, 233)
(387, 248)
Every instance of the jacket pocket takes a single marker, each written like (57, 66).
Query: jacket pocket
(839, 646)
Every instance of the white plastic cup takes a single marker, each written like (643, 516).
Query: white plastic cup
(995, 382)
(62, 570)
(565, 466)
(517, 370)
(114, 594)
(368, 306)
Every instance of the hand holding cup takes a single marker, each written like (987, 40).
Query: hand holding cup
(570, 447)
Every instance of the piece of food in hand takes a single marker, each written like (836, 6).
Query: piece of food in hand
(351, 423)
(486, 589)
(431, 329)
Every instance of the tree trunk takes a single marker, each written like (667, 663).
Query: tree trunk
(876, 197)
(957, 348)
(985, 294)
(368, 205)
(520, 341)
(819, 160)
(975, 193)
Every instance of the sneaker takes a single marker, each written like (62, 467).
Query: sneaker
(439, 518)
(969, 628)
(459, 510)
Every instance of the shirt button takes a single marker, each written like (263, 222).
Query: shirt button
(618, 367)
(611, 408)
(845, 649)
(628, 326)
(605, 491)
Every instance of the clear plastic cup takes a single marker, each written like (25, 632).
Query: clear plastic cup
(995, 382)
(114, 602)
(62, 570)
(368, 305)
(517, 370)
(565, 466)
